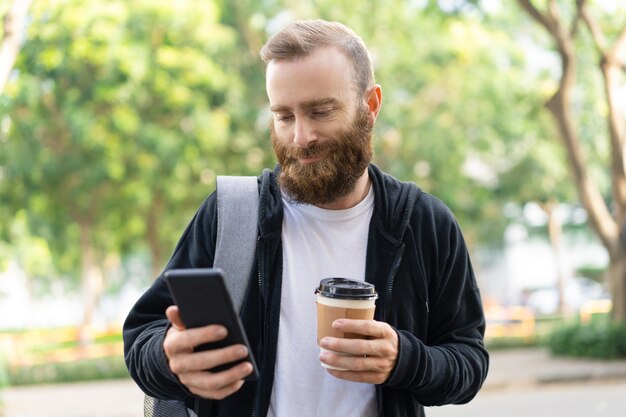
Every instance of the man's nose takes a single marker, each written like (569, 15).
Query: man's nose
(304, 134)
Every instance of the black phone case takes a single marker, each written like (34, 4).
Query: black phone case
(202, 299)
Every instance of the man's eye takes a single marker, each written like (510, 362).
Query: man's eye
(285, 118)
(319, 114)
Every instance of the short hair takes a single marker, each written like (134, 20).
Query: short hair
(301, 38)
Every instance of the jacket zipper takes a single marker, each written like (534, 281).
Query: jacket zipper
(396, 266)
(394, 271)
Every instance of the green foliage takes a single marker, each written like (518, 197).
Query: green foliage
(31, 252)
(4, 378)
(599, 339)
(119, 119)
(83, 370)
(593, 272)
(4, 381)
(122, 114)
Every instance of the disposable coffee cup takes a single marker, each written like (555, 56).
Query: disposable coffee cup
(339, 298)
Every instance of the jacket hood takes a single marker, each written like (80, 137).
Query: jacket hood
(394, 202)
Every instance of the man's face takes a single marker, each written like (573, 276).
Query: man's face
(321, 131)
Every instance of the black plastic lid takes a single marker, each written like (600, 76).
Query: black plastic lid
(346, 289)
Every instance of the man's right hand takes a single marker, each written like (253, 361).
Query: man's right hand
(191, 367)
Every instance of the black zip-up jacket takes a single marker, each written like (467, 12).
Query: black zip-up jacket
(416, 258)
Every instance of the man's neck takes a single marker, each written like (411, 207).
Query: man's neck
(350, 200)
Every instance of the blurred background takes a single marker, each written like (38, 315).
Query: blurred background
(117, 115)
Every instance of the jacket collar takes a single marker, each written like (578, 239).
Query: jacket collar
(393, 204)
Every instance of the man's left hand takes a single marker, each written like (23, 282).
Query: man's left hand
(370, 359)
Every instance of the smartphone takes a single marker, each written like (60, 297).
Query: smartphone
(202, 299)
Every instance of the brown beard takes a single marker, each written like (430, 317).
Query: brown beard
(344, 159)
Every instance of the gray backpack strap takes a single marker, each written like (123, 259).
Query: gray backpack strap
(237, 216)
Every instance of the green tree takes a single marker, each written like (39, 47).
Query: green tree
(573, 111)
(117, 123)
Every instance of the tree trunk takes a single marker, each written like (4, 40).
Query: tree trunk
(617, 283)
(91, 281)
(612, 63)
(14, 22)
(555, 232)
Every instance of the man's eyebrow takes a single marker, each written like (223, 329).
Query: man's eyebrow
(309, 104)
(279, 108)
(321, 102)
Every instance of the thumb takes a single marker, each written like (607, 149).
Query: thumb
(173, 315)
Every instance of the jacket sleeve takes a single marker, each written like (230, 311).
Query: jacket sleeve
(449, 364)
(146, 324)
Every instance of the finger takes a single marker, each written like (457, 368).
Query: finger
(224, 392)
(173, 315)
(361, 347)
(359, 363)
(358, 369)
(208, 359)
(356, 347)
(348, 362)
(217, 385)
(186, 340)
(372, 328)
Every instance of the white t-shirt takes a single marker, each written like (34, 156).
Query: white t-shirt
(317, 244)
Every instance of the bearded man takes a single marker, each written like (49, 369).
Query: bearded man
(325, 211)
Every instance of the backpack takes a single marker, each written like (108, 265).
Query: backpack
(237, 215)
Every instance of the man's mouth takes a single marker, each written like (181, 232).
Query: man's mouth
(309, 159)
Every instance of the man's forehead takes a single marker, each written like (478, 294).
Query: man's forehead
(328, 53)
(329, 61)
(323, 78)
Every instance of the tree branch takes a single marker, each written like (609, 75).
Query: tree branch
(560, 107)
(537, 15)
(619, 50)
(610, 65)
(10, 43)
(596, 34)
(580, 5)
(553, 10)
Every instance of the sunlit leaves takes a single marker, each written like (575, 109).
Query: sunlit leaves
(117, 113)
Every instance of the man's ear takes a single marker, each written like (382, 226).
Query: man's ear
(374, 99)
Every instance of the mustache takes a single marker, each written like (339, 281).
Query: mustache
(293, 152)
(313, 150)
